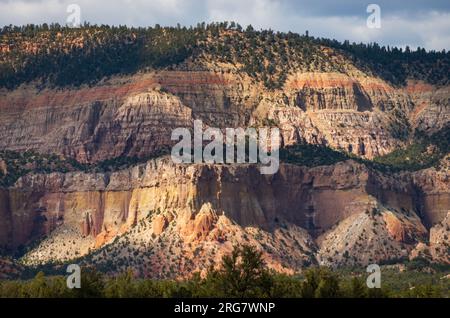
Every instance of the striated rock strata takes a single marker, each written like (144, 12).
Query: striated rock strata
(298, 216)
(134, 116)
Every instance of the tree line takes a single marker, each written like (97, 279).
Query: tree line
(62, 56)
(242, 274)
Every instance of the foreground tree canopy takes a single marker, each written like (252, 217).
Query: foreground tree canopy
(243, 274)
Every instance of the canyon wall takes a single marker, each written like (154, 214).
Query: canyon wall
(431, 112)
(92, 124)
(134, 116)
(95, 209)
(297, 217)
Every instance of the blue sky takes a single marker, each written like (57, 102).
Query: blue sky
(414, 23)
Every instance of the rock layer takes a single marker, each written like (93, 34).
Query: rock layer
(134, 116)
(94, 209)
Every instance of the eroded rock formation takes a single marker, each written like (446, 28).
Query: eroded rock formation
(134, 116)
(208, 207)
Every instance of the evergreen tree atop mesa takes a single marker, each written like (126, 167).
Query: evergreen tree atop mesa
(62, 56)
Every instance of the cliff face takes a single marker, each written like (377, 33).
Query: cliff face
(92, 124)
(125, 117)
(335, 91)
(431, 112)
(338, 215)
(134, 116)
(168, 220)
(360, 115)
(207, 208)
(220, 99)
(433, 192)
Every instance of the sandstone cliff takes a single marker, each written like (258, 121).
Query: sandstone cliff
(170, 220)
(134, 116)
(299, 216)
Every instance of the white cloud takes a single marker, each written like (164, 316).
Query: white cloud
(256, 12)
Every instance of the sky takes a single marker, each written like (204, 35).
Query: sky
(403, 22)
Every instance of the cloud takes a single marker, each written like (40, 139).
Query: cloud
(419, 23)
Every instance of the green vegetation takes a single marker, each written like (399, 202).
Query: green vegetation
(242, 275)
(61, 56)
(396, 65)
(425, 152)
(311, 155)
(19, 164)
